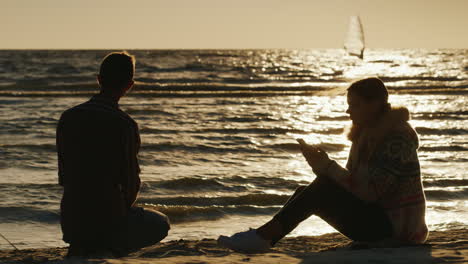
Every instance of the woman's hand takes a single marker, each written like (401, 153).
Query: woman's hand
(316, 157)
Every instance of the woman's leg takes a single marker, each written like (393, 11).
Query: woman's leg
(351, 216)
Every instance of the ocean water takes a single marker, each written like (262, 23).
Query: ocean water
(218, 131)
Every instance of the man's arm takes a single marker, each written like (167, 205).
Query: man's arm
(131, 177)
(59, 144)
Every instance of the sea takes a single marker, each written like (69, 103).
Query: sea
(219, 129)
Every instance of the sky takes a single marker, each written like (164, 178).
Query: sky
(229, 24)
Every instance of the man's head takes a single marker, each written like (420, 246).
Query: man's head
(116, 72)
(367, 101)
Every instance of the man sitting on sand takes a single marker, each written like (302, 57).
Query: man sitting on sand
(377, 198)
(97, 146)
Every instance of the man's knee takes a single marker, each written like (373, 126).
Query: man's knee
(157, 221)
(164, 223)
(147, 227)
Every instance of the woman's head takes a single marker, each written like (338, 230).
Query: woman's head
(367, 101)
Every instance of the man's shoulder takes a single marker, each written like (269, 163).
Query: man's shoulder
(90, 113)
(70, 112)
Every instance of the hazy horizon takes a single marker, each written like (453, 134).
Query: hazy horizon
(212, 24)
(188, 49)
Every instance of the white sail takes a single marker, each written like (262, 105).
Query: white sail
(354, 43)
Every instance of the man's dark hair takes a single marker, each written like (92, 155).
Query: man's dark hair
(117, 70)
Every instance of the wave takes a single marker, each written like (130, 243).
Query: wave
(203, 207)
(441, 131)
(333, 118)
(232, 74)
(26, 214)
(32, 186)
(153, 112)
(231, 183)
(254, 130)
(207, 88)
(333, 131)
(228, 184)
(444, 160)
(30, 194)
(294, 147)
(430, 89)
(32, 147)
(177, 93)
(259, 199)
(381, 61)
(447, 195)
(455, 115)
(420, 78)
(62, 69)
(194, 86)
(443, 148)
(184, 183)
(276, 183)
(183, 209)
(254, 119)
(150, 130)
(189, 85)
(417, 65)
(229, 132)
(446, 183)
(231, 78)
(190, 67)
(200, 148)
(237, 139)
(180, 214)
(232, 145)
(266, 200)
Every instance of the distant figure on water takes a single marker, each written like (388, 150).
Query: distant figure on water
(97, 146)
(377, 198)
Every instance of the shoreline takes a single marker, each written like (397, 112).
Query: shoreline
(449, 246)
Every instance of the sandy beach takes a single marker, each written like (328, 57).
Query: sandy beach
(441, 247)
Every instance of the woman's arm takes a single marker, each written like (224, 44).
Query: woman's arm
(396, 157)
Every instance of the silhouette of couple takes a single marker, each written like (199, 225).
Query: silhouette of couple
(376, 198)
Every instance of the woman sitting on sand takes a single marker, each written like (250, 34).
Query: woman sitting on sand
(378, 197)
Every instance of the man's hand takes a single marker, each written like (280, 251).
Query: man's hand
(316, 157)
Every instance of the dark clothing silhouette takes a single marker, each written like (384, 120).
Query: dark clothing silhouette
(97, 146)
